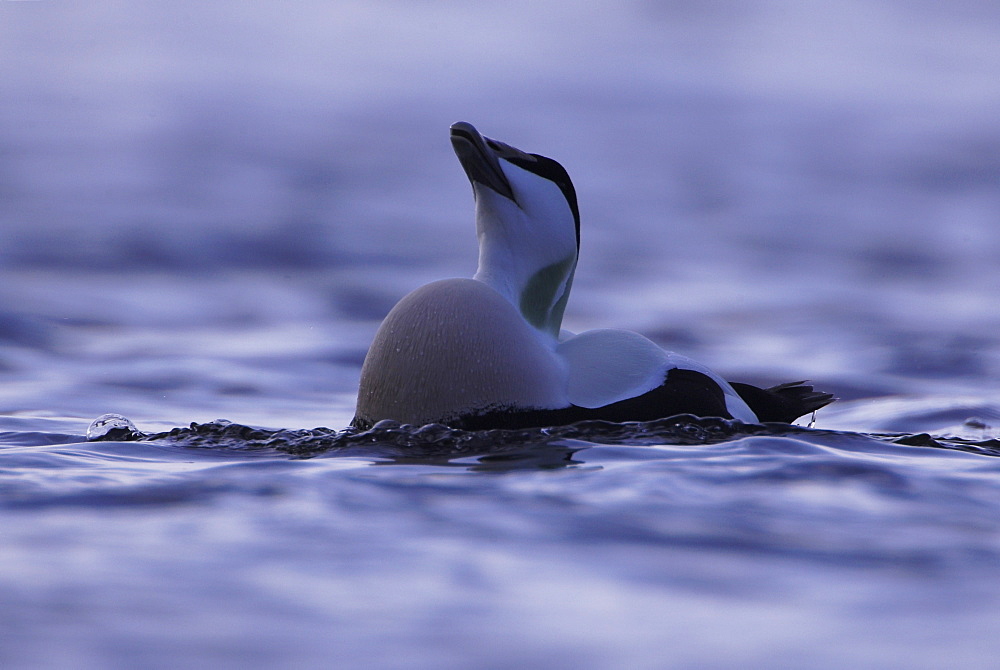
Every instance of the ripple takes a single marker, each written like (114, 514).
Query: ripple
(437, 442)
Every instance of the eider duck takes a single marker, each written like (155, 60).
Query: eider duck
(488, 352)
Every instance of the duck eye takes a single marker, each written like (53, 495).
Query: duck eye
(508, 152)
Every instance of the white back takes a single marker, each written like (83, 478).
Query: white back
(608, 365)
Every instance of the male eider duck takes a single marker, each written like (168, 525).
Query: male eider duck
(488, 352)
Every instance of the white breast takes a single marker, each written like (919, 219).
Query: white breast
(456, 347)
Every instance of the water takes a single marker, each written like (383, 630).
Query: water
(647, 546)
(205, 210)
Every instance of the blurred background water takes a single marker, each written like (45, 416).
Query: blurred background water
(207, 208)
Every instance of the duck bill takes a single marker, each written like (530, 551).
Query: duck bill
(479, 161)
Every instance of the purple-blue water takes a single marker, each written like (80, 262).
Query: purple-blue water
(207, 208)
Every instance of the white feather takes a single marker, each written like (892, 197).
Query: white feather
(455, 347)
(608, 365)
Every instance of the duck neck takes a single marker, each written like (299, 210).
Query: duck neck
(539, 293)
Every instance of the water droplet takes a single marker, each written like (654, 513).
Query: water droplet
(111, 427)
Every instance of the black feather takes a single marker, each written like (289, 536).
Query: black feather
(783, 403)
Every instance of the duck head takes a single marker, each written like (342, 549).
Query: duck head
(527, 223)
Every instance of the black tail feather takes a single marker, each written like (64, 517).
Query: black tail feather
(783, 403)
